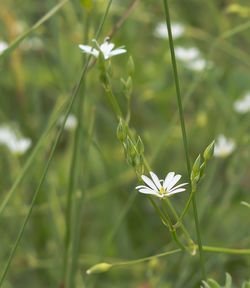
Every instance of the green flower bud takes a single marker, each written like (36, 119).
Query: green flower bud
(99, 268)
(196, 165)
(209, 151)
(130, 66)
(121, 131)
(195, 174)
(140, 146)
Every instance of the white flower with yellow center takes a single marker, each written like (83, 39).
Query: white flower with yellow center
(223, 146)
(106, 48)
(161, 188)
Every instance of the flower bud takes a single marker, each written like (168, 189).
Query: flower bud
(99, 268)
(195, 174)
(209, 151)
(196, 165)
(130, 66)
(140, 146)
(121, 131)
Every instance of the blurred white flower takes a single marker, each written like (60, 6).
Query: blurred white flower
(106, 48)
(71, 122)
(197, 65)
(15, 144)
(161, 30)
(163, 190)
(3, 46)
(186, 54)
(33, 43)
(243, 105)
(191, 57)
(223, 146)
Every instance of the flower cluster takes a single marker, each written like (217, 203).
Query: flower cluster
(161, 188)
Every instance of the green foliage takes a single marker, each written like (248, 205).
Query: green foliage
(39, 73)
(210, 283)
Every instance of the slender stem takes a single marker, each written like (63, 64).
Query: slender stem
(147, 258)
(226, 250)
(73, 176)
(185, 209)
(172, 230)
(177, 86)
(79, 208)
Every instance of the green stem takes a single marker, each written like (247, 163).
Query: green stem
(79, 209)
(171, 228)
(147, 258)
(177, 86)
(73, 176)
(185, 209)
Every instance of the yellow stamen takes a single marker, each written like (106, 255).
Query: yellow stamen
(162, 191)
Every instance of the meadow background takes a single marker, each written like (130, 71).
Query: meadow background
(115, 222)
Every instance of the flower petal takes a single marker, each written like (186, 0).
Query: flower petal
(141, 186)
(156, 180)
(176, 187)
(168, 179)
(149, 191)
(176, 191)
(117, 52)
(174, 181)
(89, 50)
(149, 182)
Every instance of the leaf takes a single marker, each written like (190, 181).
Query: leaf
(228, 283)
(87, 4)
(213, 284)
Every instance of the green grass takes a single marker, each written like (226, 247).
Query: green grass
(78, 184)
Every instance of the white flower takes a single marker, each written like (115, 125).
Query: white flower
(163, 190)
(187, 54)
(223, 146)
(106, 48)
(162, 31)
(243, 105)
(33, 43)
(198, 64)
(3, 46)
(191, 57)
(71, 122)
(9, 138)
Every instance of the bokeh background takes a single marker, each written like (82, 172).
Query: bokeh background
(116, 223)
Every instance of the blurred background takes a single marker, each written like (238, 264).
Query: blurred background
(212, 50)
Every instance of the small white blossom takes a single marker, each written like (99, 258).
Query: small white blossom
(242, 106)
(191, 57)
(198, 64)
(71, 122)
(3, 46)
(106, 48)
(187, 54)
(161, 30)
(161, 188)
(15, 144)
(223, 146)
